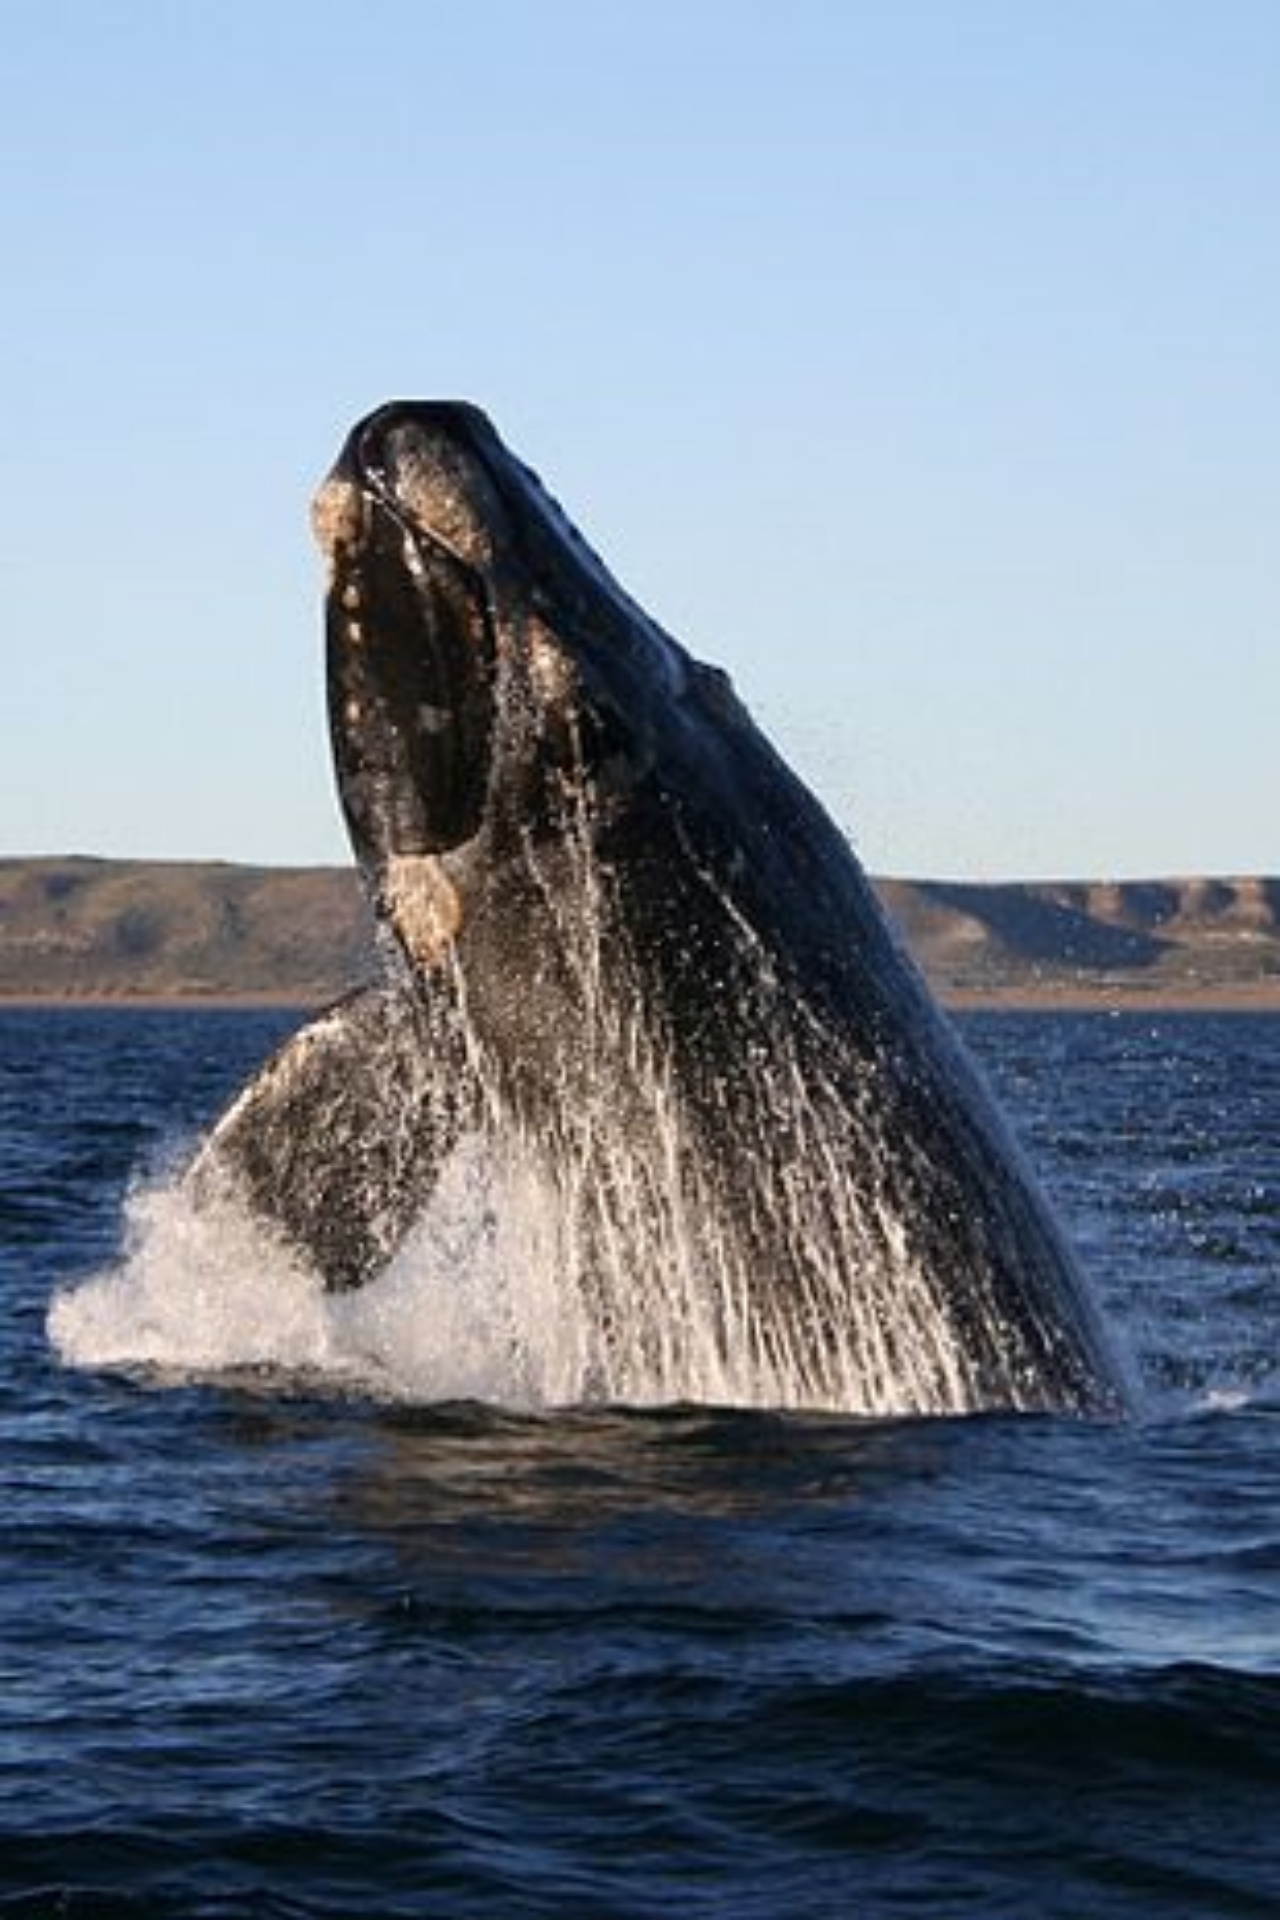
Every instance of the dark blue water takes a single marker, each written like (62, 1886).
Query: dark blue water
(266, 1650)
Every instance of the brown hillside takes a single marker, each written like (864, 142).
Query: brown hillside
(101, 929)
(106, 928)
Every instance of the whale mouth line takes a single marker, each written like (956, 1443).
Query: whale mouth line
(413, 655)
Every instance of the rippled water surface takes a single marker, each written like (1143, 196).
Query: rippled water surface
(267, 1648)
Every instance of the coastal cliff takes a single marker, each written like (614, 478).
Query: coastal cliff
(87, 929)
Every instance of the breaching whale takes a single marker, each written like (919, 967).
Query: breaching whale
(621, 934)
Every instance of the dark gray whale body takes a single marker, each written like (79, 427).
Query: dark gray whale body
(620, 931)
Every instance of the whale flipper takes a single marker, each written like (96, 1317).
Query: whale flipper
(337, 1140)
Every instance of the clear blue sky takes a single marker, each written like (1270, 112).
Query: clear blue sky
(918, 360)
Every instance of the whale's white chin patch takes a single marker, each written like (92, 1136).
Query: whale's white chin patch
(424, 906)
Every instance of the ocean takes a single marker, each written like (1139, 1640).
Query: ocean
(272, 1644)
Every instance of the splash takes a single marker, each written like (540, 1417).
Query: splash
(205, 1291)
(596, 1261)
(517, 1288)
(611, 1242)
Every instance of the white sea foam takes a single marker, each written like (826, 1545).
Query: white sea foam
(497, 1295)
(205, 1290)
(595, 1263)
(198, 1290)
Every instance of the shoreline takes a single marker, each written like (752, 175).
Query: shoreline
(100, 933)
(1248, 997)
(168, 1002)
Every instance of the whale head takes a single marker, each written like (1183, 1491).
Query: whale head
(483, 665)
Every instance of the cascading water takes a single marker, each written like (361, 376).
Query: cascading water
(595, 1246)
